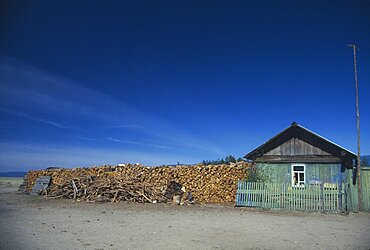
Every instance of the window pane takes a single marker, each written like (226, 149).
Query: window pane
(298, 168)
(295, 179)
(301, 177)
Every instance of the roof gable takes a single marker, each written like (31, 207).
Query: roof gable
(297, 140)
(296, 146)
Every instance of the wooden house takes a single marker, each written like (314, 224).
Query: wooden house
(302, 157)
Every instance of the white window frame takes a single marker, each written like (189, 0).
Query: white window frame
(299, 172)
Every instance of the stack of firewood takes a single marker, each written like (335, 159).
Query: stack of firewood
(207, 184)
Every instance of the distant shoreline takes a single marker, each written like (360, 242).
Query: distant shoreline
(13, 174)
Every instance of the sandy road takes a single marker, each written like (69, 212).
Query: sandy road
(35, 223)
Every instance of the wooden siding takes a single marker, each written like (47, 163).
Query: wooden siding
(294, 147)
(298, 158)
(352, 190)
(281, 172)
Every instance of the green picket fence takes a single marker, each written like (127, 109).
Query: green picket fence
(312, 197)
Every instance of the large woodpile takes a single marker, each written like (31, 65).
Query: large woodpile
(207, 184)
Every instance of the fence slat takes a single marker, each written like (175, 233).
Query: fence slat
(312, 197)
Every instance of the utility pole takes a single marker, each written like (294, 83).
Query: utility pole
(358, 131)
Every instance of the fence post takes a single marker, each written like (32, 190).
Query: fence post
(321, 197)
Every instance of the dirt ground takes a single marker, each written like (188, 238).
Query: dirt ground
(29, 222)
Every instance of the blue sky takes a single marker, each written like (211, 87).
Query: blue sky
(159, 82)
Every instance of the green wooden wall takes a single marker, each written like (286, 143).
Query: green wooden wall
(281, 172)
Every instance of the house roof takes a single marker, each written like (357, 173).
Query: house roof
(297, 131)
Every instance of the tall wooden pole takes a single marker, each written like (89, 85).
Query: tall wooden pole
(358, 131)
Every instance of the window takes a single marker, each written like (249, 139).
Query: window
(298, 175)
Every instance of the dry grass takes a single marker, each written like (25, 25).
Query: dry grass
(10, 182)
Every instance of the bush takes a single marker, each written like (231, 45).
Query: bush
(255, 174)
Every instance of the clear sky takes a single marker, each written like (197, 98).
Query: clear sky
(161, 82)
